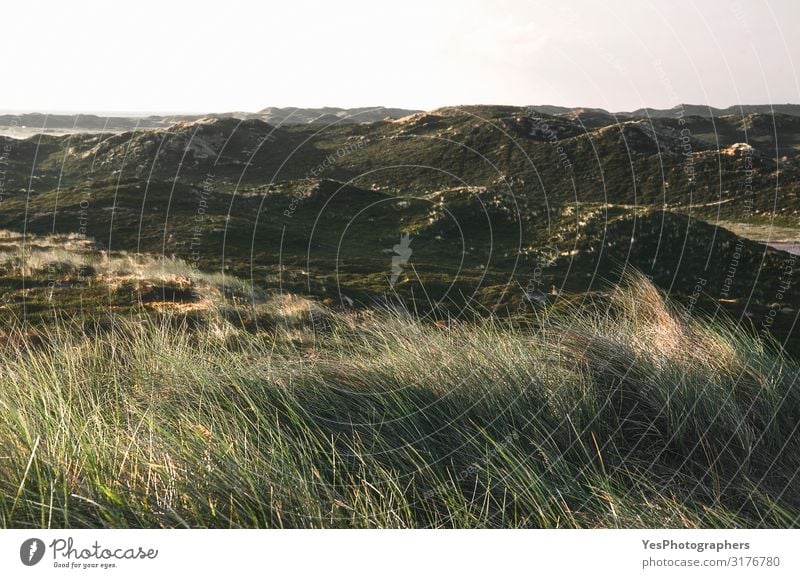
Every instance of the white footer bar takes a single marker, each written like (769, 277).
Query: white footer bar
(389, 553)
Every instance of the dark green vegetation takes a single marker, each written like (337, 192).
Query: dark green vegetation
(630, 414)
(499, 202)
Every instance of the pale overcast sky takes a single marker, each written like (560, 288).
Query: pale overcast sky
(202, 56)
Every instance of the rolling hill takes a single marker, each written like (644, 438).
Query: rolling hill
(499, 203)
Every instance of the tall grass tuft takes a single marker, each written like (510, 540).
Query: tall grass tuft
(631, 414)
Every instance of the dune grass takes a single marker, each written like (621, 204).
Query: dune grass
(61, 257)
(629, 414)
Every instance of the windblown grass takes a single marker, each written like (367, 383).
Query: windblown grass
(627, 416)
(65, 259)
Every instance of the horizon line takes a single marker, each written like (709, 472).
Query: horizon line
(146, 113)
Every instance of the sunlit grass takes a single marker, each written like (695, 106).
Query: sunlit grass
(626, 415)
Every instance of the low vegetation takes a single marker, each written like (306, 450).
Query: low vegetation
(628, 413)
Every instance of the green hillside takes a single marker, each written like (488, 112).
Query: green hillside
(493, 199)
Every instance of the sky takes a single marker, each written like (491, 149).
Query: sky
(161, 56)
